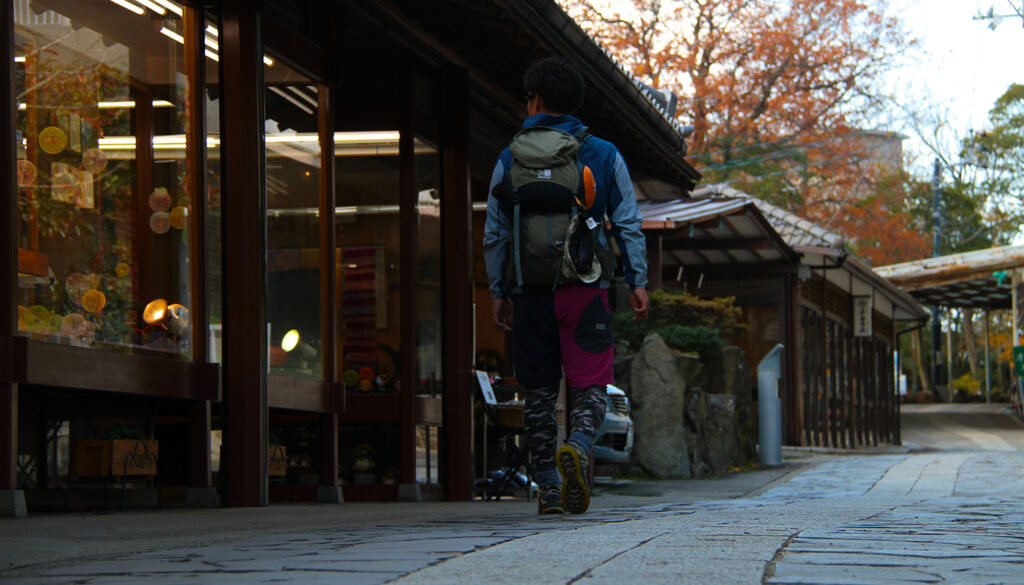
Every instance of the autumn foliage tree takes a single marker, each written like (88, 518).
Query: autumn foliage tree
(779, 95)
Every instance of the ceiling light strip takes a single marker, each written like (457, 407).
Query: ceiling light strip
(153, 6)
(304, 96)
(130, 7)
(293, 101)
(172, 6)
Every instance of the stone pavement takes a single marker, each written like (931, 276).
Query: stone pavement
(952, 516)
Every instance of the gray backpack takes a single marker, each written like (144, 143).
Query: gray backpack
(550, 192)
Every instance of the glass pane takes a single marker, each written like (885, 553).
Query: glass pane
(368, 239)
(103, 181)
(426, 453)
(293, 222)
(214, 286)
(428, 270)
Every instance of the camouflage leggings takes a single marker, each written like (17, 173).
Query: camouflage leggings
(589, 405)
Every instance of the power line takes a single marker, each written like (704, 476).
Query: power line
(772, 155)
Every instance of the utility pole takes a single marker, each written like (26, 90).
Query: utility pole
(936, 227)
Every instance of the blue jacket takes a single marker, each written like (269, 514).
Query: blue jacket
(614, 199)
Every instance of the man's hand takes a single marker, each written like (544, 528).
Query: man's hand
(501, 312)
(638, 298)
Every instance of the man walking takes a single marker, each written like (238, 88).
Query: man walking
(563, 322)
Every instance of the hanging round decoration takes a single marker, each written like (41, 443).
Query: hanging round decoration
(178, 216)
(28, 321)
(27, 173)
(73, 324)
(94, 160)
(350, 378)
(160, 200)
(55, 323)
(365, 385)
(122, 269)
(75, 285)
(67, 188)
(52, 140)
(160, 222)
(93, 300)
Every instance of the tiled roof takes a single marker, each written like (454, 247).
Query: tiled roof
(795, 230)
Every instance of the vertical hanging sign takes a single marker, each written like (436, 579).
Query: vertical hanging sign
(862, 315)
(1018, 306)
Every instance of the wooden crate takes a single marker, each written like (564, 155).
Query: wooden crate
(277, 461)
(115, 457)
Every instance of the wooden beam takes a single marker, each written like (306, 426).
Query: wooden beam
(108, 371)
(692, 244)
(244, 249)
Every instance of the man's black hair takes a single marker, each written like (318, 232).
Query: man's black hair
(557, 82)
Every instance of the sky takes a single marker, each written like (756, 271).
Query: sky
(962, 65)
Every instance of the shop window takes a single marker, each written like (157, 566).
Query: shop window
(428, 270)
(293, 222)
(103, 177)
(368, 277)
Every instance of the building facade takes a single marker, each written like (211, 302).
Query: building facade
(245, 232)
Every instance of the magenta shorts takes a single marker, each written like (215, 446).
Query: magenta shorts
(585, 335)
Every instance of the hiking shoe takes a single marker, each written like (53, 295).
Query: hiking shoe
(549, 501)
(572, 464)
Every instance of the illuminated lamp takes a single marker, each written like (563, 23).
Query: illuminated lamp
(290, 340)
(292, 343)
(155, 311)
(178, 319)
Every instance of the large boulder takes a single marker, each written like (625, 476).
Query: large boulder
(728, 373)
(658, 393)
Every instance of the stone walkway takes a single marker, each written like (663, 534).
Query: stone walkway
(943, 517)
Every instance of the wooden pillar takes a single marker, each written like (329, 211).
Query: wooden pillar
(12, 501)
(329, 317)
(409, 225)
(199, 465)
(244, 229)
(654, 261)
(200, 468)
(456, 465)
(792, 396)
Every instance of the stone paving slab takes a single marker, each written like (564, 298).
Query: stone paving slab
(859, 519)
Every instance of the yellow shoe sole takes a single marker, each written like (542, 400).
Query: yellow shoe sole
(575, 494)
